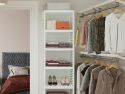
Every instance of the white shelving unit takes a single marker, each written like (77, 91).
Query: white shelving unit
(51, 53)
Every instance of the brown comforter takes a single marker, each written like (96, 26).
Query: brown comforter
(16, 84)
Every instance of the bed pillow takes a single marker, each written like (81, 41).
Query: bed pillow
(16, 84)
(16, 70)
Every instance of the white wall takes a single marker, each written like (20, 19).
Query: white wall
(14, 31)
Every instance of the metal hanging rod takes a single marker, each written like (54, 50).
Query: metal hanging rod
(98, 10)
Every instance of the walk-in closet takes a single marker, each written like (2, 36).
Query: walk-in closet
(74, 47)
(84, 48)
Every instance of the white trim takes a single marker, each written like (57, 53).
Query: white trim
(33, 7)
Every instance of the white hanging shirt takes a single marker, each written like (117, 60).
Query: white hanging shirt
(115, 33)
(79, 78)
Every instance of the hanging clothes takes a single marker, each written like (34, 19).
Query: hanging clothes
(92, 35)
(79, 76)
(77, 37)
(107, 84)
(84, 35)
(99, 44)
(94, 79)
(114, 33)
(86, 79)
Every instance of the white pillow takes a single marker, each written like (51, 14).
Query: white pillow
(16, 70)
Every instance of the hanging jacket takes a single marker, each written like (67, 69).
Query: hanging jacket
(94, 78)
(107, 84)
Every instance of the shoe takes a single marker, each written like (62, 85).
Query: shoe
(63, 80)
(67, 81)
(50, 80)
(54, 80)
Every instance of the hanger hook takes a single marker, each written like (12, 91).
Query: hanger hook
(117, 4)
(95, 10)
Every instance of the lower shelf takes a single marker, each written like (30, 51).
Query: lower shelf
(59, 87)
(59, 68)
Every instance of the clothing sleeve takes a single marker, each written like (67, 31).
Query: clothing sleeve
(85, 81)
(92, 85)
(100, 84)
(107, 34)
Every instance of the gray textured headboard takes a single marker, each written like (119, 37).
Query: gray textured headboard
(17, 59)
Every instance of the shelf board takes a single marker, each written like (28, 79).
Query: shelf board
(59, 11)
(58, 31)
(94, 54)
(59, 87)
(58, 68)
(59, 49)
(104, 55)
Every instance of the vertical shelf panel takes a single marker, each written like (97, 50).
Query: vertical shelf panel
(59, 53)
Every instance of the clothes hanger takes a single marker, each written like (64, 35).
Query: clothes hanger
(114, 65)
(88, 61)
(118, 10)
(104, 13)
(91, 16)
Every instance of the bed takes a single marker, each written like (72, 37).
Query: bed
(16, 59)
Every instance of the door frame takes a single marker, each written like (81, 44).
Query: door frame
(33, 7)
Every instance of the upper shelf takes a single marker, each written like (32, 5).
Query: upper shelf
(59, 20)
(59, 49)
(59, 31)
(104, 55)
(59, 11)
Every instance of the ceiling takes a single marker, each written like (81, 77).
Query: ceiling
(76, 4)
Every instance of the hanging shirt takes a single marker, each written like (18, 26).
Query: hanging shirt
(115, 33)
(89, 43)
(77, 37)
(84, 35)
(79, 77)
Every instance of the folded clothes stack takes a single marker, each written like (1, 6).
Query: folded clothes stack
(58, 63)
(59, 44)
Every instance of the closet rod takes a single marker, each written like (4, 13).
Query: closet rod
(100, 10)
(99, 57)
